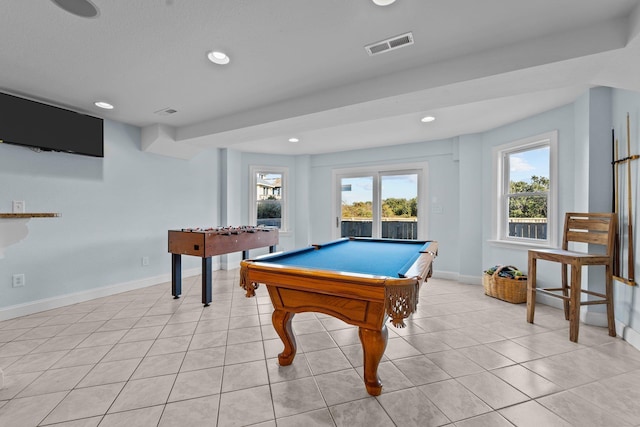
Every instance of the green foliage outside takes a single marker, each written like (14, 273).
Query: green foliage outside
(391, 208)
(270, 208)
(529, 206)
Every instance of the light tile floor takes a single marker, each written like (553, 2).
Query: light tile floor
(142, 358)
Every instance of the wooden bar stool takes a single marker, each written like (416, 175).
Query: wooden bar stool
(591, 228)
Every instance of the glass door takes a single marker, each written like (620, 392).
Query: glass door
(357, 207)
(384, 204)
(399, 196)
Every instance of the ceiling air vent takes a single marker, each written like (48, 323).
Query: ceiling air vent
(165, 112)
(390, 44)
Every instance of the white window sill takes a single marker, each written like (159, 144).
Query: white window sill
(519, 245)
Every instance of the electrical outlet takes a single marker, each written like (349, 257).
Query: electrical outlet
(18, 206)
(145, 261)
(18, 280)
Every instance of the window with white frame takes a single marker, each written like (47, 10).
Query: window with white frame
(526, 190)
(268, 202)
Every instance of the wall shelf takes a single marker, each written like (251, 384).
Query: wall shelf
(30, 215)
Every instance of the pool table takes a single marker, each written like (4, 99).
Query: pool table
(361, 281)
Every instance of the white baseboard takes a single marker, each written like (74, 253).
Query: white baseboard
(447, 275)
(629, 335)
(470, 280)
(37, 306)
(550, 301)
(450, 275)
(594, 318)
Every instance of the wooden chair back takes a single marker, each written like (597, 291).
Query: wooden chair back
(591, 228)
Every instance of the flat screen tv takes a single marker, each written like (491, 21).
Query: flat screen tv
(48, 128)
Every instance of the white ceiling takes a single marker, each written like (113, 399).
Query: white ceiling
(299, 67)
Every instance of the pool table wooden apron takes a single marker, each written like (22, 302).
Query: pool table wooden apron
(359, 299)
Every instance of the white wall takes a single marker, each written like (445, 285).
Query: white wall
(114, 211)
(229, 202)
(581, 157)
(470, 148)
(600, 154)
(302, 202)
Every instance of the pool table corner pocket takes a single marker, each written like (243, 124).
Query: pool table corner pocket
(401, 301)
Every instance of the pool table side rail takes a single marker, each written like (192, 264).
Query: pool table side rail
(371, 239)
(356, 299)
(353, 285)
(283, 254)
(423, 265)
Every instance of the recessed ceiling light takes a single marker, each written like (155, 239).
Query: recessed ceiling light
(427, 119)
(383, 2)
(218, 57)
(294, 139)
(104, 105)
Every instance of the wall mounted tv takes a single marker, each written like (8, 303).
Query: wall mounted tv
(40, 126)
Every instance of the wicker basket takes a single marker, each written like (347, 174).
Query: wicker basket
(506, 289)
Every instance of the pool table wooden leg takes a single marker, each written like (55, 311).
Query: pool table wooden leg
(374, 343)
(282, 323)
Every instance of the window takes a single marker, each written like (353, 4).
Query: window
(525, 177)
(380, 203)
(268, 204)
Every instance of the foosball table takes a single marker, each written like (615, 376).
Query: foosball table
(208, 242)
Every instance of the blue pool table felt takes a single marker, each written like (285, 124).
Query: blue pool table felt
(391, 259)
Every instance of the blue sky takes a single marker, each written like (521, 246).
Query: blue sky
(527, 163)
(398, 186)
